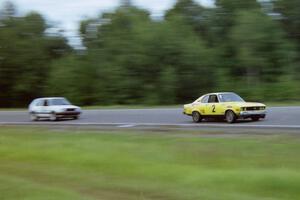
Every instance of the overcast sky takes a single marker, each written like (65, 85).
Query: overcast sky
(68, 13)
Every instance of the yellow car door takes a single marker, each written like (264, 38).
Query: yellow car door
(200, 105)
(213, 107)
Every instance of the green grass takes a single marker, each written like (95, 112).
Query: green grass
(65, 164)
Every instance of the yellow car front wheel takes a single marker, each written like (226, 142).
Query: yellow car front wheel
(230, 116)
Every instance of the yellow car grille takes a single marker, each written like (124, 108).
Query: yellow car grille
(254, 108)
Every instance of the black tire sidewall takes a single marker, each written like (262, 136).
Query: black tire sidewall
(230, 112)
(196, 116)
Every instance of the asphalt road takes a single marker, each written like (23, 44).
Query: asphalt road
(277, 117)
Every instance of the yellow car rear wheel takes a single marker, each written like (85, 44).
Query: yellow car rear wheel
(196, 117)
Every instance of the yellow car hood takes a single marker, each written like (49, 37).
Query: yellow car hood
(246, 104)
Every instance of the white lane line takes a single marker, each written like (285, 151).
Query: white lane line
(127, 126)
(155, 124)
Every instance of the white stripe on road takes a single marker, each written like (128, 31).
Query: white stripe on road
(127, 126)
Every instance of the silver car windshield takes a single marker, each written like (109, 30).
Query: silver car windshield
(230, 97)
(59, 102)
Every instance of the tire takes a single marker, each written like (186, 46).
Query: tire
(230, 116)
(53, 117)
(76, 117)
(196, 117)
(255, 119)
(33, 117)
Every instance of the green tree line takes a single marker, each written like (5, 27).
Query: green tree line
(249, 47)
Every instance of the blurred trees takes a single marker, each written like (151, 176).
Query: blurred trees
(290, 17)
(193, 14)
(132, 59)
(290, 21)
(25, 55)
(137, 60)
(263, 54)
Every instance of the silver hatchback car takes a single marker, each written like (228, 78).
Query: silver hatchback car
(53, 108)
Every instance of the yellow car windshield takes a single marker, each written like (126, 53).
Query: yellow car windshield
(230, 97)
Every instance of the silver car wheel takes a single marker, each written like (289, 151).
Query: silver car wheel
(53, 117)
(33, 117)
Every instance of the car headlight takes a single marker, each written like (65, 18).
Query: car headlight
(243, 109)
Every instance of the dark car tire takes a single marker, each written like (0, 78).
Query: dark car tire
(230, 116)
(196, 117)
(76, 117)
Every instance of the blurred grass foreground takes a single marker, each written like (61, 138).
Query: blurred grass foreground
(129, 57)
(69, 165)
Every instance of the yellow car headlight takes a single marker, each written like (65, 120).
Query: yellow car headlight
(243, 109)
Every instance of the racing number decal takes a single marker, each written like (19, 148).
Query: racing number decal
(214, 108)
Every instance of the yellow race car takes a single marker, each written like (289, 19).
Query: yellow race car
(227, 105)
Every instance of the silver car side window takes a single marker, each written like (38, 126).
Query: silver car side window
(40, 103)
(34, 103)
